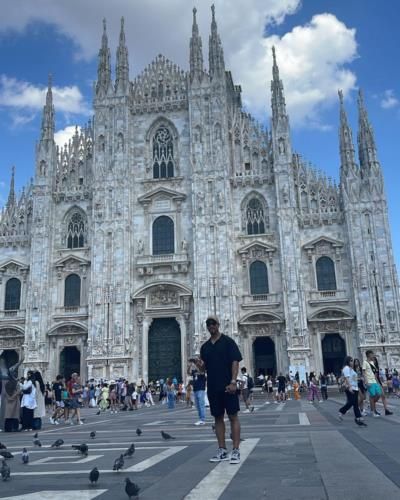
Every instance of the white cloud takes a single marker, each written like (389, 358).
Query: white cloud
(312, 58)
(22, 95)
(62, 136)
(389, 100)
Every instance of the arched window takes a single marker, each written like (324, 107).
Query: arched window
(163, 235)
(163, 154)
(258, 278)
(13, 295)
(76, 231)
(255, 217)
(72, 291)
(326, 279)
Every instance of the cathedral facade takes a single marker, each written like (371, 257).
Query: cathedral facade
(174, 203)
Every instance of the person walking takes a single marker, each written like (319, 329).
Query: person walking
(199, 389)
(171, 394)
(244, 381)
(373, 386)
(28, 402)
(380, 380)
(219, 358)
(40, 409)
(351, 389)
(361, 386)
(313, 392)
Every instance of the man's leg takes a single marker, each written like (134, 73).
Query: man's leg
(220, 431)
(235, 430)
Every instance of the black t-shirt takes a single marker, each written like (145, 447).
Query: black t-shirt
(281, 381)
(218, 359)
(199, 381)
(57, 388)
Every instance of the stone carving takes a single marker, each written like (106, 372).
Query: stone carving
(164, 296)
(140, 247)
(184, 246)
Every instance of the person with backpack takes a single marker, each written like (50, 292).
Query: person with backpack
(246, 385)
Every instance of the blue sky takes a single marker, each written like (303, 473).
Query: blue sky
(322, 45)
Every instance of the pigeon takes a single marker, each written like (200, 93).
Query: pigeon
(98, 413)
(118, 463)
(5, 471)
(25, 456)
(36, 442)
(36, 435)
(131, 489)
(57, 443)
(94, 475)
(83, 448)
(3, 446)
(166, 436)
(6, 454)
(93, 434)
(138, 432)
(130, 451)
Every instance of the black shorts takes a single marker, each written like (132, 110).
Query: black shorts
(281, 389)
(223, 401)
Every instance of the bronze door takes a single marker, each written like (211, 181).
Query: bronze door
(164, 349)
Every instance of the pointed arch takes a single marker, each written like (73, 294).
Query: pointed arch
(254, 211)
(75, 228)
(162, 139)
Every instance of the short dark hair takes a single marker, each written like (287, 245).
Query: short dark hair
(367, 353)
(243, 369)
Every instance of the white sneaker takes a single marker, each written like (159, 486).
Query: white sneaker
(246, 410)
(52, 421)
(267, 403)
(56, 422)
(200, 422)
(80, 422)
(364, 413)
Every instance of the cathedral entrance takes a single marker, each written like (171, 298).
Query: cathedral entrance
(333, 353)
(70, 361)
(264, 356)
(165, 358)
(10, 357)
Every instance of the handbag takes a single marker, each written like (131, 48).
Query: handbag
(28, 390)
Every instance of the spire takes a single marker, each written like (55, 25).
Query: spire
(278, 97)
(196, 50)
(346, 141)
(122, 69)
(104, 66)
(366, 141)
(11, 194)
(48, 126)
(216, 52)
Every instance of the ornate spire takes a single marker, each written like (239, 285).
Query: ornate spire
(48, 126)
(104, 66)
(196, 50)
(216, 52)
(122, 69)
(11, 194)
(346, 141)
(366, 141)
(278, 97)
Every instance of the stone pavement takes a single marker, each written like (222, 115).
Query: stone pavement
(291, 451)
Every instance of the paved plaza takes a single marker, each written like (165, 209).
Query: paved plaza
(294, 450)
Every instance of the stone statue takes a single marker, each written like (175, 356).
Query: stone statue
(140, 247)
(184, 246)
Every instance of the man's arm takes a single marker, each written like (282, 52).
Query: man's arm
(232, 387)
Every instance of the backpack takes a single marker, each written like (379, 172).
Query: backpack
(250, 383)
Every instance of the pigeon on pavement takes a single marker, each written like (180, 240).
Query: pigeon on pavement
(36, 435)
(119, 463)
(138, 432)
(131, 489)
(130, 451)
(24, 456)
(93, 434)
(36, 442)
(83, 448)
(94, 475)
(3, 446)
(98, 413)
(5, 471)
(6, 454)
(57, 443)
(166, 436)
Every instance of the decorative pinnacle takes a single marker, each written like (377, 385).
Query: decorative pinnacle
(104, 25)
(11, 194)
(340, 94)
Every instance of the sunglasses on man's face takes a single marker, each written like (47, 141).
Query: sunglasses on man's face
(211, 323)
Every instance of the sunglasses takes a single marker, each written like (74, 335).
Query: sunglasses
(211, 323)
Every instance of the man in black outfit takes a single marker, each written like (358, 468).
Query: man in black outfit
(220, 357)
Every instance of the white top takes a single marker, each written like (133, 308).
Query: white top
(244, 380)
(29, 400)
(40, 410)
(350, 374)
(369, 374)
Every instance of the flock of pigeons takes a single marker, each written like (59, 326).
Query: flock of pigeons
(131, 488)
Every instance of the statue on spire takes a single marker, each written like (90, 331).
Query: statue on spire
(348, 164)
(104, 65)
(11, 195)
(278, 97)
(216, 52)
(122, 68)
(196, 51)
(48, 121)
(366, 141)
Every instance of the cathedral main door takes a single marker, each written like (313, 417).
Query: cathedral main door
(264, 356)
(70, 361)
(10, 357)
(333, 353)
(165, 357)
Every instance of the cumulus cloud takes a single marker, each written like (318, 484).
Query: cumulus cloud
(313, 58)
(62, 136)
(389, 100)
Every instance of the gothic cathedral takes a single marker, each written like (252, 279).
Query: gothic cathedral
(173, 203)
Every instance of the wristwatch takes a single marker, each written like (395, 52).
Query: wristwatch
(233, 381)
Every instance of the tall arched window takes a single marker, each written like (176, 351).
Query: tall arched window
(13, 295)
(326, 279)
(72, 291)
(76, 230)
(255, 217)
(258, 278)
(163, 154)
(163, 236)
